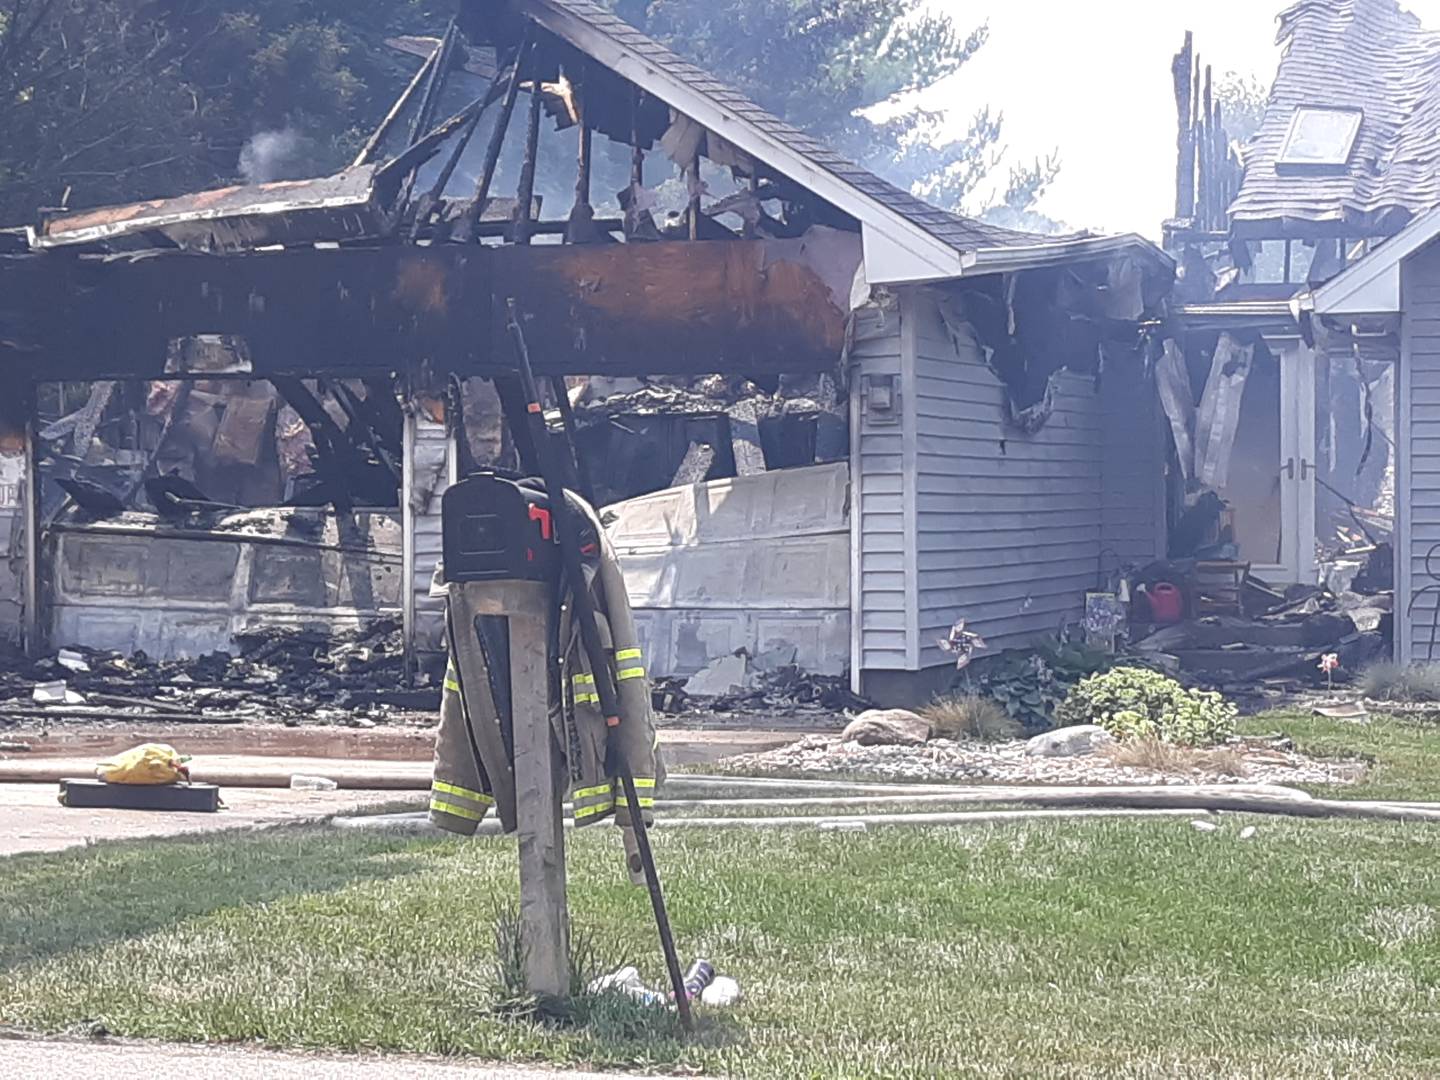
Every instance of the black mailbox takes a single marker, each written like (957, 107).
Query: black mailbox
(498, 530)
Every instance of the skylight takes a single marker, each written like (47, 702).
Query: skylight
(1321, 136)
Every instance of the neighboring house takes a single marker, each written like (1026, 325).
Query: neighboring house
(1006, 451)
(1295, 420)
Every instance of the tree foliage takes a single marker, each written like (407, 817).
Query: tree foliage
(117, 99)
(109, 100)
(826, 65)
(1242, 100)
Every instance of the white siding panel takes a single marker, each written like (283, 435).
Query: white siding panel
(1418, 482)
(880, 492)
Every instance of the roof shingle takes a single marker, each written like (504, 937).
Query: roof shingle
(1366, 54)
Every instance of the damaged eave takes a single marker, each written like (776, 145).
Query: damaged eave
(1011, 259)
(1279, 315)
(233, 218)
(1372, 285)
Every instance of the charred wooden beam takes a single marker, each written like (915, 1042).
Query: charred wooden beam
(694, 181)
(377, 139)
(525, 60)
(360, 431)
(526, 192)
(368, 312)
(639, 222)
(1185, 143)
(435, 84)
(752, 215)
(332, 448)
(437, 190)
(404, 166)
(582, 214)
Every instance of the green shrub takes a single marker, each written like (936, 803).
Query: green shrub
(1135, 703)
(1030, 684)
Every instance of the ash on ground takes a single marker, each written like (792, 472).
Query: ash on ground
(291, 675)
(1264, 761)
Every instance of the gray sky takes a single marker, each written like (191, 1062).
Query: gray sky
(1092, 80)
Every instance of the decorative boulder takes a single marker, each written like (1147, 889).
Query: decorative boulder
(888, 727)
(1070, 741)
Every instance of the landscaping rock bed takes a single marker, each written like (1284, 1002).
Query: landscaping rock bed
(1263, 761)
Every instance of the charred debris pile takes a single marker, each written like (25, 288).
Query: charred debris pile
(278, 675)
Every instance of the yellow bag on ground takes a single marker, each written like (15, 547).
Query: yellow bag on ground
(153, 763)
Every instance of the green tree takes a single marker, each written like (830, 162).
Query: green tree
(1242, 100)
(825, 65)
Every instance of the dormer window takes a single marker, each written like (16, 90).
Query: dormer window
(1320, 138)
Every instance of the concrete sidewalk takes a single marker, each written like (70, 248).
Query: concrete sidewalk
(143, 1061)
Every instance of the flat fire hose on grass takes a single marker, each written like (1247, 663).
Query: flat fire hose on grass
(553, 470)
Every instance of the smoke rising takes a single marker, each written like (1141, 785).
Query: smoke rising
(274, 155)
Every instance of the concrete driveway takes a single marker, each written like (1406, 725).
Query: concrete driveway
(31, 818)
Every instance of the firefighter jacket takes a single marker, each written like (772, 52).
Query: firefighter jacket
(596, 746)
(474, 750)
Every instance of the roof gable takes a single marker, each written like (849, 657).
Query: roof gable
(906, 239)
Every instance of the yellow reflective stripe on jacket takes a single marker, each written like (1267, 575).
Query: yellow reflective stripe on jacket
(582, 812)
(443, 807)
(591, 792)
(630, 673)
(645, 782)
(452, 679)
(646, 801)
(629, 654)
(583, 696)
(441, 787)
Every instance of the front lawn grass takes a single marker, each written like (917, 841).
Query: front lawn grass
(1402, 753)
(1089, 948)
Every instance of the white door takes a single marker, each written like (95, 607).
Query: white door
(1270, 481)
(1297, 468)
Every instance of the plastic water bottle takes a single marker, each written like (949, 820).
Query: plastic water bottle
(700, 975)
(312, 783)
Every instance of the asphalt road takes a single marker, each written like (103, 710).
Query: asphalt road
(140, 1061)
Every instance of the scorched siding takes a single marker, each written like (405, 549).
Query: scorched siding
(1133, 452)
(1011, 528)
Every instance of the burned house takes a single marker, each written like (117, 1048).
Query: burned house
(830, 419)
(1288, 419)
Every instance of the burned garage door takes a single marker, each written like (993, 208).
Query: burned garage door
(759, 563)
